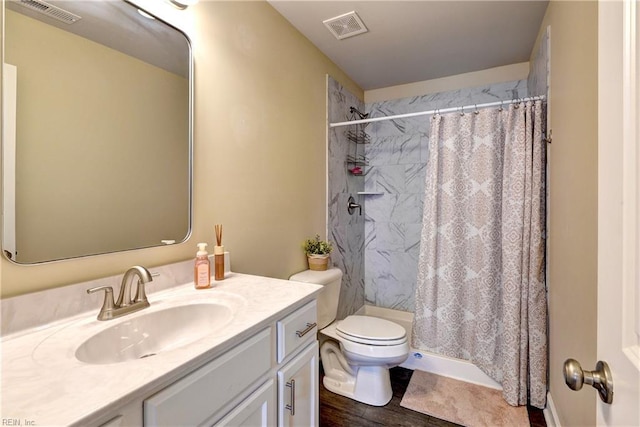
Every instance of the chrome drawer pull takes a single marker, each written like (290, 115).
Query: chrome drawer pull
(309, 328)
(292, 406)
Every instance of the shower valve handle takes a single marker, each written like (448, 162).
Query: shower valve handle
(352, 205)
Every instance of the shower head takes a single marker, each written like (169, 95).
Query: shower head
(353, 110)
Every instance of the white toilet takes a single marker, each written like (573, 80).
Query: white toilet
(368, 346)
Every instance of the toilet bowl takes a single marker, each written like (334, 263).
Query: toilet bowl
(358, 367)
(359, 350)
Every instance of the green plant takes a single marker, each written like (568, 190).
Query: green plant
(316, 246)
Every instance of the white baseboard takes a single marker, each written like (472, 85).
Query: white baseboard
(550, 414)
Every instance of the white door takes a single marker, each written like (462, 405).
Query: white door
(618, 209)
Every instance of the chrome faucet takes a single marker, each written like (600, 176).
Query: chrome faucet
(124, 305)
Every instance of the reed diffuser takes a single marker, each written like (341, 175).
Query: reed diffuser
(218, 254)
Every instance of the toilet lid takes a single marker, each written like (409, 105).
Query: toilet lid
(371, 330)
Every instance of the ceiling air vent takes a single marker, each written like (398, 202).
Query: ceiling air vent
(346, 25)
(50, 10)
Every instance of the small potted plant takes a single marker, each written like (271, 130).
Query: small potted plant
(317, 253)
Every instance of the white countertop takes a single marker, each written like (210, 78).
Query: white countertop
(42, 381)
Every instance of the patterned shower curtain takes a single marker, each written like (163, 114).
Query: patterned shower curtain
(480, 294)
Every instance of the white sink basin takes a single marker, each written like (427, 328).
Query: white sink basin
(174, 320)
(155, 332)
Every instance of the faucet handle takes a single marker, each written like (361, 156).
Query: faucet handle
(108, 304)
(352, 205)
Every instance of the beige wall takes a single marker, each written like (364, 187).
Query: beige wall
(572, 236)
(505, 73)
(259, 142)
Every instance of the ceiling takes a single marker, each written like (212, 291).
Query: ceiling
(118, 25)
(411, 41)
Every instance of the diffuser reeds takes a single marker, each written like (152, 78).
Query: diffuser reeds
(218, 229)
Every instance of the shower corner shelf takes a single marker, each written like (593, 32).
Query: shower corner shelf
(359, 137)
(356, 161)
(370, 193)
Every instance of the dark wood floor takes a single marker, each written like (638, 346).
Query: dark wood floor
(339, 411)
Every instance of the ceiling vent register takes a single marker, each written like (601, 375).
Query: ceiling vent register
(50, 10)
(347, 25)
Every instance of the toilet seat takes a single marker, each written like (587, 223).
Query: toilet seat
(371, 331)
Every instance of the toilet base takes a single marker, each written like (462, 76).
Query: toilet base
(366, 384)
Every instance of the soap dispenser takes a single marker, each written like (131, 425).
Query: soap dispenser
(202, 270)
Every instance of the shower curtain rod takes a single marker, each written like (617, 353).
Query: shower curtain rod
(438, 110)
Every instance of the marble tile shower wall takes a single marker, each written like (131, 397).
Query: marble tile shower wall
(538, 81)
(397, 158)
(344, 230)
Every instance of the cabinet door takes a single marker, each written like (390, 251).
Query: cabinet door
(198, 396)
(298, 390)
(129, 415)
(257, 410)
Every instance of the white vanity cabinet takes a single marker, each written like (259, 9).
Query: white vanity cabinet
(231, 374)
(298, 389)
(298, 369)
(269, 379)
(130, 415)
(198, 398)
(258, 410)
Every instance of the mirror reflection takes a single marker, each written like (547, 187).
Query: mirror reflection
(96, 130)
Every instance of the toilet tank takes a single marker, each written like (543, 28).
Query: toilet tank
(328, 298)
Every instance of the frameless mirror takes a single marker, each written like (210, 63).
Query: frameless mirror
(96, 130)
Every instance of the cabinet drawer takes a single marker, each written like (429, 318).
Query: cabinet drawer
(297, 329)
(196, 397)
